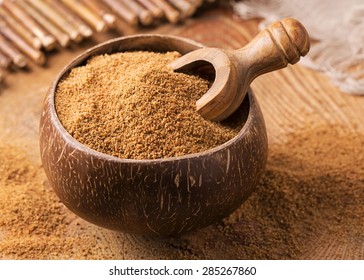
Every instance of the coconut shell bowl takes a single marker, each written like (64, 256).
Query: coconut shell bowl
(167, 196)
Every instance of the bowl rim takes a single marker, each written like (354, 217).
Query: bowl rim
(73, 142)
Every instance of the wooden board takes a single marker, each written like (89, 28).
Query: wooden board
(292, 100)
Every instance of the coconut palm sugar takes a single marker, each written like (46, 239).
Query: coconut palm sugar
(132, 105)
(308, 205)
(34, 224)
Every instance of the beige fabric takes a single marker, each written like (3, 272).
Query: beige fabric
(336, 27)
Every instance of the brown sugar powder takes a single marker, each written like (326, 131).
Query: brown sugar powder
(34, 224)
(310, 201)
(132, 105)
(308, 205)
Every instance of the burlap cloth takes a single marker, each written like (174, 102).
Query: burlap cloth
(337, 30)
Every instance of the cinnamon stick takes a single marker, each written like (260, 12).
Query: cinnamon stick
(35, 55)
(186, 8)
(122, 11)
(8, 49)
(196, 3)
(20, 29)
(1, 75)
(172, 14)
(71, 17)
(62, 38)
(48, 41)
(4, 61)
(82, 11)
(145, 16)
(98, 8)
(54, 16)
(155, 10)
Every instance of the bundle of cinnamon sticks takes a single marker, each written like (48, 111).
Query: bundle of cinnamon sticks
(31, 28)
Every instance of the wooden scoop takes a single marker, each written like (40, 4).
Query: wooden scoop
(280, 43)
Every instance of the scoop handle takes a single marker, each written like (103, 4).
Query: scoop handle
(280, 43)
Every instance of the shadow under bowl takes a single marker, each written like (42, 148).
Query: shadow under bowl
(167, 196)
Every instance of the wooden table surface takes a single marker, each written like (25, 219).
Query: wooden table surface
(292, 99)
